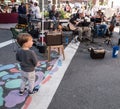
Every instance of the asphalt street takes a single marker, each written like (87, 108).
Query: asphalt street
(87, 83)
(7, 52)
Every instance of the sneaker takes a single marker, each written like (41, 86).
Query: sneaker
(80, 40)
(31, 93)
(36, 88)
(21, 92)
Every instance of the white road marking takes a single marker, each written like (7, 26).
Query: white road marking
(3, 44)
(42, 99)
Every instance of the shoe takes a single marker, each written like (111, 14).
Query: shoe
(36, 88)
(111, 33)
(80, 40)
(31, 93)
(21, 92)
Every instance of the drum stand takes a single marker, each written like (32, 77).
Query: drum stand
(108, 39)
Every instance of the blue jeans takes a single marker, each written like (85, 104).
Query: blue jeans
(100, 29)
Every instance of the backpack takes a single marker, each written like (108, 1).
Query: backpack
(34, 33)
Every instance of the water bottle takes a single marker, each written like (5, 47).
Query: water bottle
(115, 51)
(59, 62)
(18, 65)
(66, 40)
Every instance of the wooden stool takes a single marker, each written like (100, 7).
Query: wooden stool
(54, 40)
(58, 47)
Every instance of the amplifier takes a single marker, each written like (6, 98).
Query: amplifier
(97, 53)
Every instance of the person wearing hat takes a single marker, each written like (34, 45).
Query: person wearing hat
(49, 7)
(81, 23)
(73, 25)
(36, 10)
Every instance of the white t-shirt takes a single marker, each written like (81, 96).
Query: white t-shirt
(36, 12)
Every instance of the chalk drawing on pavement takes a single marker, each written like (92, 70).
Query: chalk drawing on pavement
(10, 79)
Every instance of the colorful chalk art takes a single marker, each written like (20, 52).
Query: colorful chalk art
(10, 79)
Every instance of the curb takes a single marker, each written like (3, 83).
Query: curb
(4, 28)
(7, 26)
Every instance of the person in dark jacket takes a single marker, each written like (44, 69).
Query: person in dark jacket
(22, 9)
(54, 15)
(22, 17)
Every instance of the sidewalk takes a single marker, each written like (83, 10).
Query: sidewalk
(7, 26)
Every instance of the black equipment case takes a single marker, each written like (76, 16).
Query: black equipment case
(97, 53)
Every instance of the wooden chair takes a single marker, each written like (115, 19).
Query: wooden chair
(54, 40)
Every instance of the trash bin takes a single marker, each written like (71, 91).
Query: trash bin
(41, 48)
(115, 51)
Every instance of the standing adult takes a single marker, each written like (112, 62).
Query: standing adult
(30, 10)
(49, 7)
(22, 18)
(22, 9)
(36, 11)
